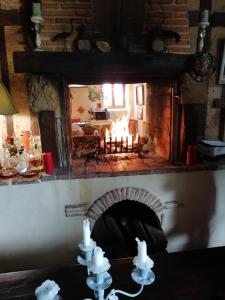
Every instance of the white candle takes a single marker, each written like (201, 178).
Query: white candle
(98, 257)
(142, 251)
(205, 16)
(36, 9)
(86, 233)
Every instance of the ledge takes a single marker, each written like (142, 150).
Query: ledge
(84, 66)
(71, 174)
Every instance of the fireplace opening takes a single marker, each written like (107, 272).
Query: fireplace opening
(113, 122)
(116, 229)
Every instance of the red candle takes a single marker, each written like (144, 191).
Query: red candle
(191, 155)
(48, 163)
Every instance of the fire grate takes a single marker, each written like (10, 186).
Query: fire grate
(92, 146)
(119, 145)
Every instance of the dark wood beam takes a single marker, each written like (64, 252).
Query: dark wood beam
(218, 19)
(99, 64)
(9, 17)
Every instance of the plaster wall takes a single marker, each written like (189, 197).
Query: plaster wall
(34, 231)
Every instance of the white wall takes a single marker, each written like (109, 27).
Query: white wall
(34, 231)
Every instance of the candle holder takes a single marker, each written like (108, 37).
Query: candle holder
(37, 20)
(99, 279)
(87, 253)
(203, 24)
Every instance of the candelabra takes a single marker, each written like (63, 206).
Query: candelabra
(97, 266)
(99, 279)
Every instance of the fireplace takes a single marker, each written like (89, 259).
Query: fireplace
(153, 135)
(140, 126)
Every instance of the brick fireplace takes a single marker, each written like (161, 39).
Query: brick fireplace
(159, 71)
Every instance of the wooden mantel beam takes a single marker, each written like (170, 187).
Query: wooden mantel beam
(9, 17)
(82, 64)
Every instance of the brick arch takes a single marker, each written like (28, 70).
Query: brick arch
(125, 193)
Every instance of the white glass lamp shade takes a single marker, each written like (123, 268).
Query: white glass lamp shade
(7, 106)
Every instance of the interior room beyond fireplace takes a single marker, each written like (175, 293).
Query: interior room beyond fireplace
(114, 124)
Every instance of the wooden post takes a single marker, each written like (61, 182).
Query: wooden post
(48, 134)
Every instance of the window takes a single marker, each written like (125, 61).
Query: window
(114, 95)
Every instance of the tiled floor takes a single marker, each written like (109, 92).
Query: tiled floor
(118, 164)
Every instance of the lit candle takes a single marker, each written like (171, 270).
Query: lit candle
(98, 257)
(86, 233)
(205, 16)
(142, 251)
(36, 9)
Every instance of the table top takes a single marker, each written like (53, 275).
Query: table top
(190, 275)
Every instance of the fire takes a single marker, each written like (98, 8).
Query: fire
(120, 132)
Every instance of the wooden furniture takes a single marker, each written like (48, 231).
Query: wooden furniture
(191, 275)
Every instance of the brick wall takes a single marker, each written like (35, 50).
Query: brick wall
(57, 15)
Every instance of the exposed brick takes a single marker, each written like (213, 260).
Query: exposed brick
(157, 7)
(176, 22)
(64, 20)
(55, 27)
(180, 29)
(181, 2)
(53, 5)
(180, 7)
(49, 20)
(58, 12)
(76, 6)
(82, 13)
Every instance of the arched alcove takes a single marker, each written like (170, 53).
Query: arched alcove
(116, 229)
(123, 214)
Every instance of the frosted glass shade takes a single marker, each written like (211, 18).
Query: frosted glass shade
(7, 106)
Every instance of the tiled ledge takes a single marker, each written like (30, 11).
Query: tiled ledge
(81, 169)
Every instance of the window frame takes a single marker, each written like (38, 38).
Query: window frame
(113, 106)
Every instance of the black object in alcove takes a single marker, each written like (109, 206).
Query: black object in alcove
(115, 231)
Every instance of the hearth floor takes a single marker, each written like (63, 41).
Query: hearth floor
(119, 164)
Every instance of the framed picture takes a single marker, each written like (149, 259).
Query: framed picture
(140, 94)
(222, 67)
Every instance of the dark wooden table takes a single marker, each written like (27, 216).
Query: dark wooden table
(191, 275)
